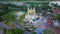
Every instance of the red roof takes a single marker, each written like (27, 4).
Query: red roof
(49, 21)
(55, 10)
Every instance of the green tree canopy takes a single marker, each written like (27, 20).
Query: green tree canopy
(15, 31)
(22, 18)
(58, 17)
(9, 16)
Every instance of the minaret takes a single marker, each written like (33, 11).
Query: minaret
(34, 12)
(28, 10)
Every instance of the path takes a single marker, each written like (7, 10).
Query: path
(21, 27)
(2, 25)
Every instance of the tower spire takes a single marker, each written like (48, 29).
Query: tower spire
(34, 11)
(28, 9)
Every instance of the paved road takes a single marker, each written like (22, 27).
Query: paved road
(21, 27)
(0, 31)
(2, 25)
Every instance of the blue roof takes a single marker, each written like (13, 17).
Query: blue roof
(36, 31)
(39, 30)
(36, 19)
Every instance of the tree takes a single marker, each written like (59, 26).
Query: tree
(58, 17)
(21, 18)
(48, 32)
(1, 19)
(45, 5)
(4, 9)
(15, 31)
(9, 17)
(4, 30)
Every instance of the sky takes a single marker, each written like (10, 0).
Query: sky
(21, 3)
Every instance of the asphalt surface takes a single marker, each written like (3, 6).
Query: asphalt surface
(16, 25)
(21, 27)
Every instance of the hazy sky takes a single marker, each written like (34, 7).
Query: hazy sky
(20, 3)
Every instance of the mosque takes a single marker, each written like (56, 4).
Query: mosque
(32, 17)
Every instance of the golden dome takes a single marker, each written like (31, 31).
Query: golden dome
(31, 11)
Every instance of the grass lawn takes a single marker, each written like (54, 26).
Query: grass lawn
(48, 32)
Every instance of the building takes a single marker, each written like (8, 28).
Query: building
(55, 10)
(33, 17)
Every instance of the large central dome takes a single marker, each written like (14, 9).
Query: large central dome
(31, 11)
